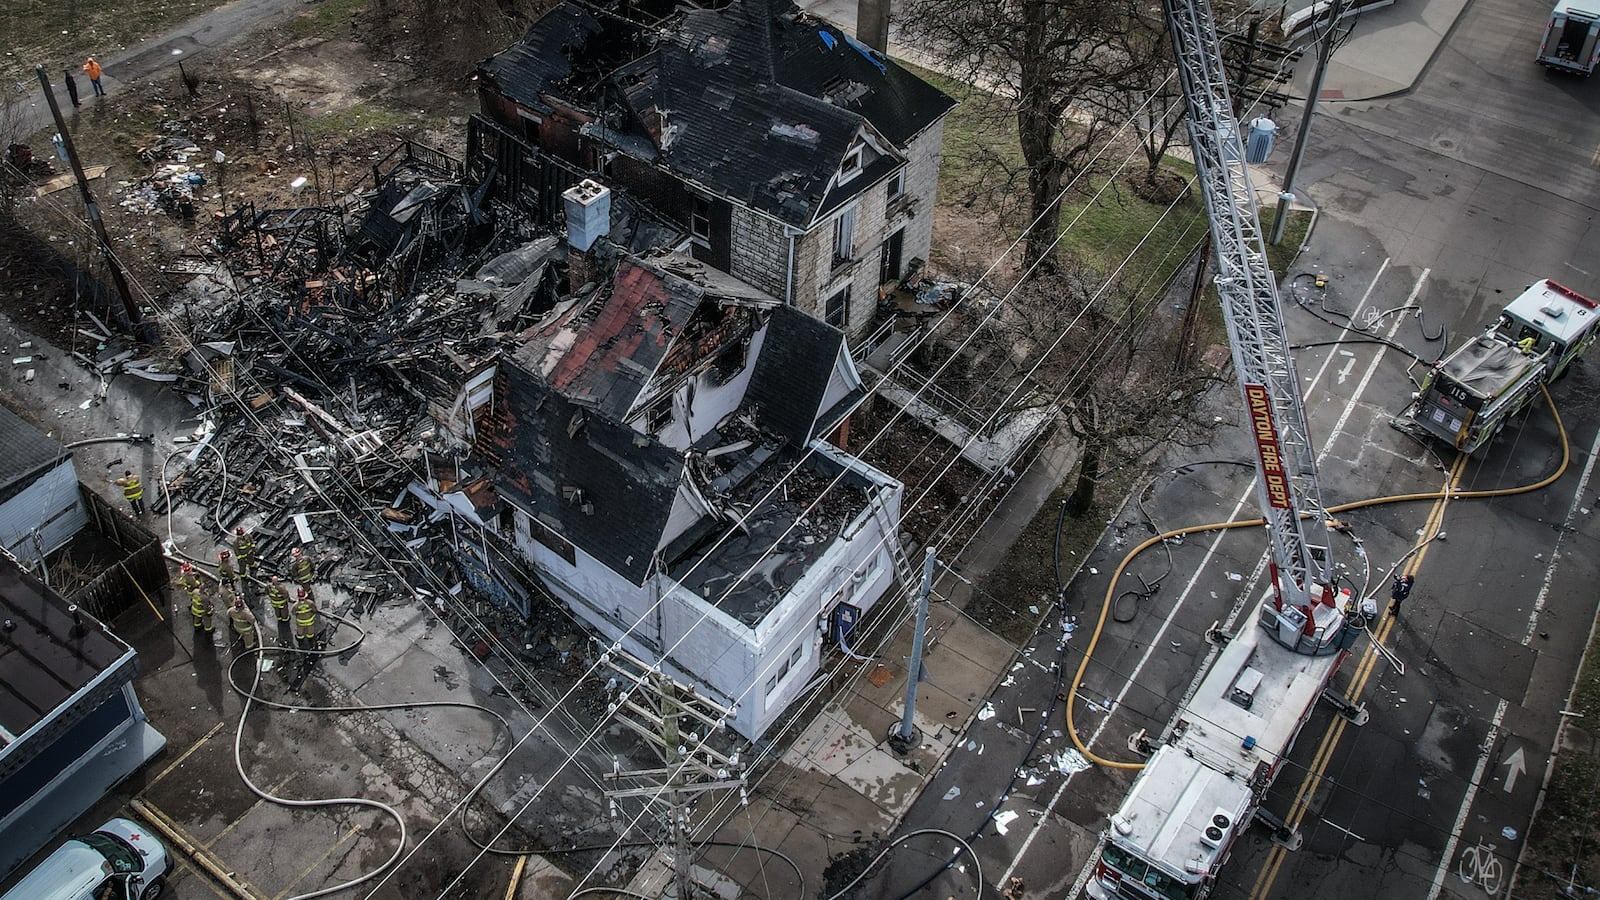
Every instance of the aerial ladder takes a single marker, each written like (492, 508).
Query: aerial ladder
(1305, 613)
(1208, 774)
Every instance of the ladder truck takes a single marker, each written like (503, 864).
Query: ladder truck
(1204, 783)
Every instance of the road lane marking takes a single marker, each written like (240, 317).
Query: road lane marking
(1127, 685)
(1466, 802)
(354, 830)
(1555, 555)
(179, 761)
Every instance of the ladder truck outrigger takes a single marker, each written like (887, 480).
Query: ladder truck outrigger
(1211, 768)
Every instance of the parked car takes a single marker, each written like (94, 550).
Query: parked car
(118, 861)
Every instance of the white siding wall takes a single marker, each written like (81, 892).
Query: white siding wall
(52, 505)
(922, 182)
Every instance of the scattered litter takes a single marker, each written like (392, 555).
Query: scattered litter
(1069, 761)
(986, 713)
(1507, 832)
(951, 794)
(1003, 819)
(1033, 609)
(1235, 576)
(1034, 781)
(972, 745)
(21, 360)
(1093, 571)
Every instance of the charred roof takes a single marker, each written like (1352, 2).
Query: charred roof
(754, 101)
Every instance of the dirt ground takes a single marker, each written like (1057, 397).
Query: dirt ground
(282, 103)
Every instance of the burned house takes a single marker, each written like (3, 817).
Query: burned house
(793, 157)
(661, 460)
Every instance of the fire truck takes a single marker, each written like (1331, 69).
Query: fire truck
(1467, 397)
(1204, 782)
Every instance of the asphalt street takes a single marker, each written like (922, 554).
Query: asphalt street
(1450, 197)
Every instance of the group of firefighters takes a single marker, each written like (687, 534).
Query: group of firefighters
(241, 564)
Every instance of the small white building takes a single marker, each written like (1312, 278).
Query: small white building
(661, 457)
(40, 508)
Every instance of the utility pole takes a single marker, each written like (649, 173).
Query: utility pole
(675, 720)
(1324, 53)
(902, 738)
(128, 306)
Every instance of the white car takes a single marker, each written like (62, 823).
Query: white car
(119, 861)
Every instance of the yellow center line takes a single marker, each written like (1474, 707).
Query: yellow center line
(1330, 739)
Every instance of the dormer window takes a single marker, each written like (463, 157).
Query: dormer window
(853, 160)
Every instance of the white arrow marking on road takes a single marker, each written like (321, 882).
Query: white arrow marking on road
(1518, 765)
(1348, 367)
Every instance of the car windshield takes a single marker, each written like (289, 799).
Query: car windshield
(122, 857)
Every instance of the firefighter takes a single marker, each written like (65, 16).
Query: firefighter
(244, 624)
(301, 570)
(132, 490)
(305, 621)
(202, 610)
(188, 579)
(278, 596)
(226, 573)
(1399, 593)
(244, 548)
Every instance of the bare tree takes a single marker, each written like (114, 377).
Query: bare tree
(1101, 351)
(1043, 59)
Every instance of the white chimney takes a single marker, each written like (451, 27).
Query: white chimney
(588, 207)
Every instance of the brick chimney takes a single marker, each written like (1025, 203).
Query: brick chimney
(588, 208)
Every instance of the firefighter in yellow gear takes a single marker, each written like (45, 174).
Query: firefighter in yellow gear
(244, 624)
(301, 569)
(278, 596)
(305, 620)
(132, 490)
(188, 579)
(244, 548)
(202, 610)
(226, 573)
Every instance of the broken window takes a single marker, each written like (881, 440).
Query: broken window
(837, 312)
(530, 129)
(700, 218)
(545, 535)
(658, 416)
(850, 167)
(844, 237)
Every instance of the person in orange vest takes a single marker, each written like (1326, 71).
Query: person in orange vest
(132, 490)
(92, 69)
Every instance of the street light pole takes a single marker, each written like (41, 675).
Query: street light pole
(1324, 53)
